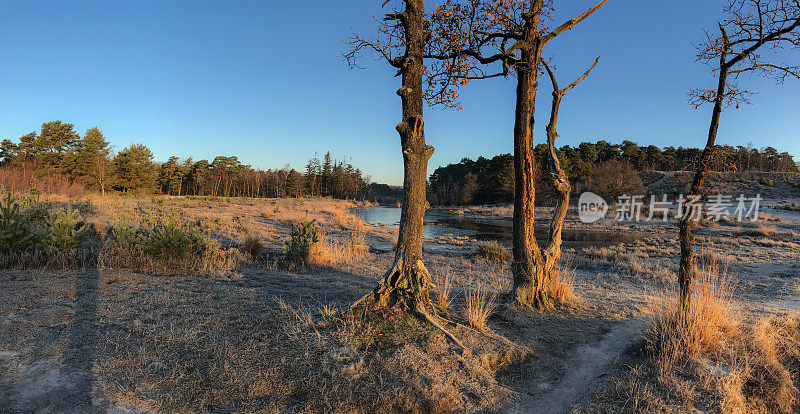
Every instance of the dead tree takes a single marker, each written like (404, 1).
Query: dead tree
(468, 37)
(552, 252)
(406, 285)
(748, 26)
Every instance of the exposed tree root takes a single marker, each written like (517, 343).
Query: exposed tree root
(492, 335)
(406, 289)
(425, 316)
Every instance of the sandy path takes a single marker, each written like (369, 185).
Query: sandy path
(582, 371)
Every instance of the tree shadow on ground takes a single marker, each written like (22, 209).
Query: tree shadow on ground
(79, 357)
(324, 285)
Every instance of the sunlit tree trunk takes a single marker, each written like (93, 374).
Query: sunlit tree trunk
(407, 283)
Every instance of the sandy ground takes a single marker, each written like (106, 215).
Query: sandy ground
(108, 339)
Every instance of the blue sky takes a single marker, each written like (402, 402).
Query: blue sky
(264, 80)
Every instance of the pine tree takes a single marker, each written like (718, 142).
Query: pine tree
(134, 169)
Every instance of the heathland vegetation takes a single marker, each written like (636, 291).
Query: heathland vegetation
(214, 287)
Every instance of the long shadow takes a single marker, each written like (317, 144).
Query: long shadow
(80, 355)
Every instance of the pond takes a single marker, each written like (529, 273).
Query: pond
(440, 223)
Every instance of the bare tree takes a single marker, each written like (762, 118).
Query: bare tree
(470, 36)
(748, 27)
(400, 42)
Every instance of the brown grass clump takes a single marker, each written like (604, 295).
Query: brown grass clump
(561, 286)
(493, 251)
(349, 221)
(480, 306)
(333, 252)
(673, 335)
(713, 360)
(766, 230)
(443, 290)
(252, 246)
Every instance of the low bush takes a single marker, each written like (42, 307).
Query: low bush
(173, 239)
(304, 238)
(64, 229)
(123, 235)
(166, 245)
(16, 234)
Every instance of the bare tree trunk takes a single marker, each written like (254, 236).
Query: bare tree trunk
(407, 283)
(527, 267)
(686, 270)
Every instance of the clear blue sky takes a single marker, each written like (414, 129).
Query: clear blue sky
(264, 80)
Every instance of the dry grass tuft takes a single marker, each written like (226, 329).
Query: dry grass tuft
(561, 286)
(252, 246)
(443, 290)
(480, 306)
(674, 335)
(348, 221)
(493, 251)
(333, 252)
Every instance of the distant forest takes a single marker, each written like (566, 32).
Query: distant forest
(486, 181)
(57, 158)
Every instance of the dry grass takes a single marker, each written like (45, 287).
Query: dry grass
(329, 252)
(443, 289)
(267, 212)
(561, 285)
(349, 221)
(713, 359)
(252, 246)
(480, 306)
(493, 251)
(138, 259)
(291, 360)
(674, 335)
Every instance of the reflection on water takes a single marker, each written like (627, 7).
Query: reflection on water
(440, 223)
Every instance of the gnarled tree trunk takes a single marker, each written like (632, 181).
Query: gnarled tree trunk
(527, 267)
(407, 283)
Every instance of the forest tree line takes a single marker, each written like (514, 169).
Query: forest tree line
(486, 181)
(57, 153)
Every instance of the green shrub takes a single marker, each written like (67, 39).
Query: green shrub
(304, 236)
(172, 239)
(64, 229)
(124, 236)
(15, 229)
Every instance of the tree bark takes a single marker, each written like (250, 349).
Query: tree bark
(528, 267)
(407, 283)
(686, 270)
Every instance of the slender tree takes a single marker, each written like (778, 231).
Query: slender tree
(469, 36)
(95, 159)
(748, 27)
